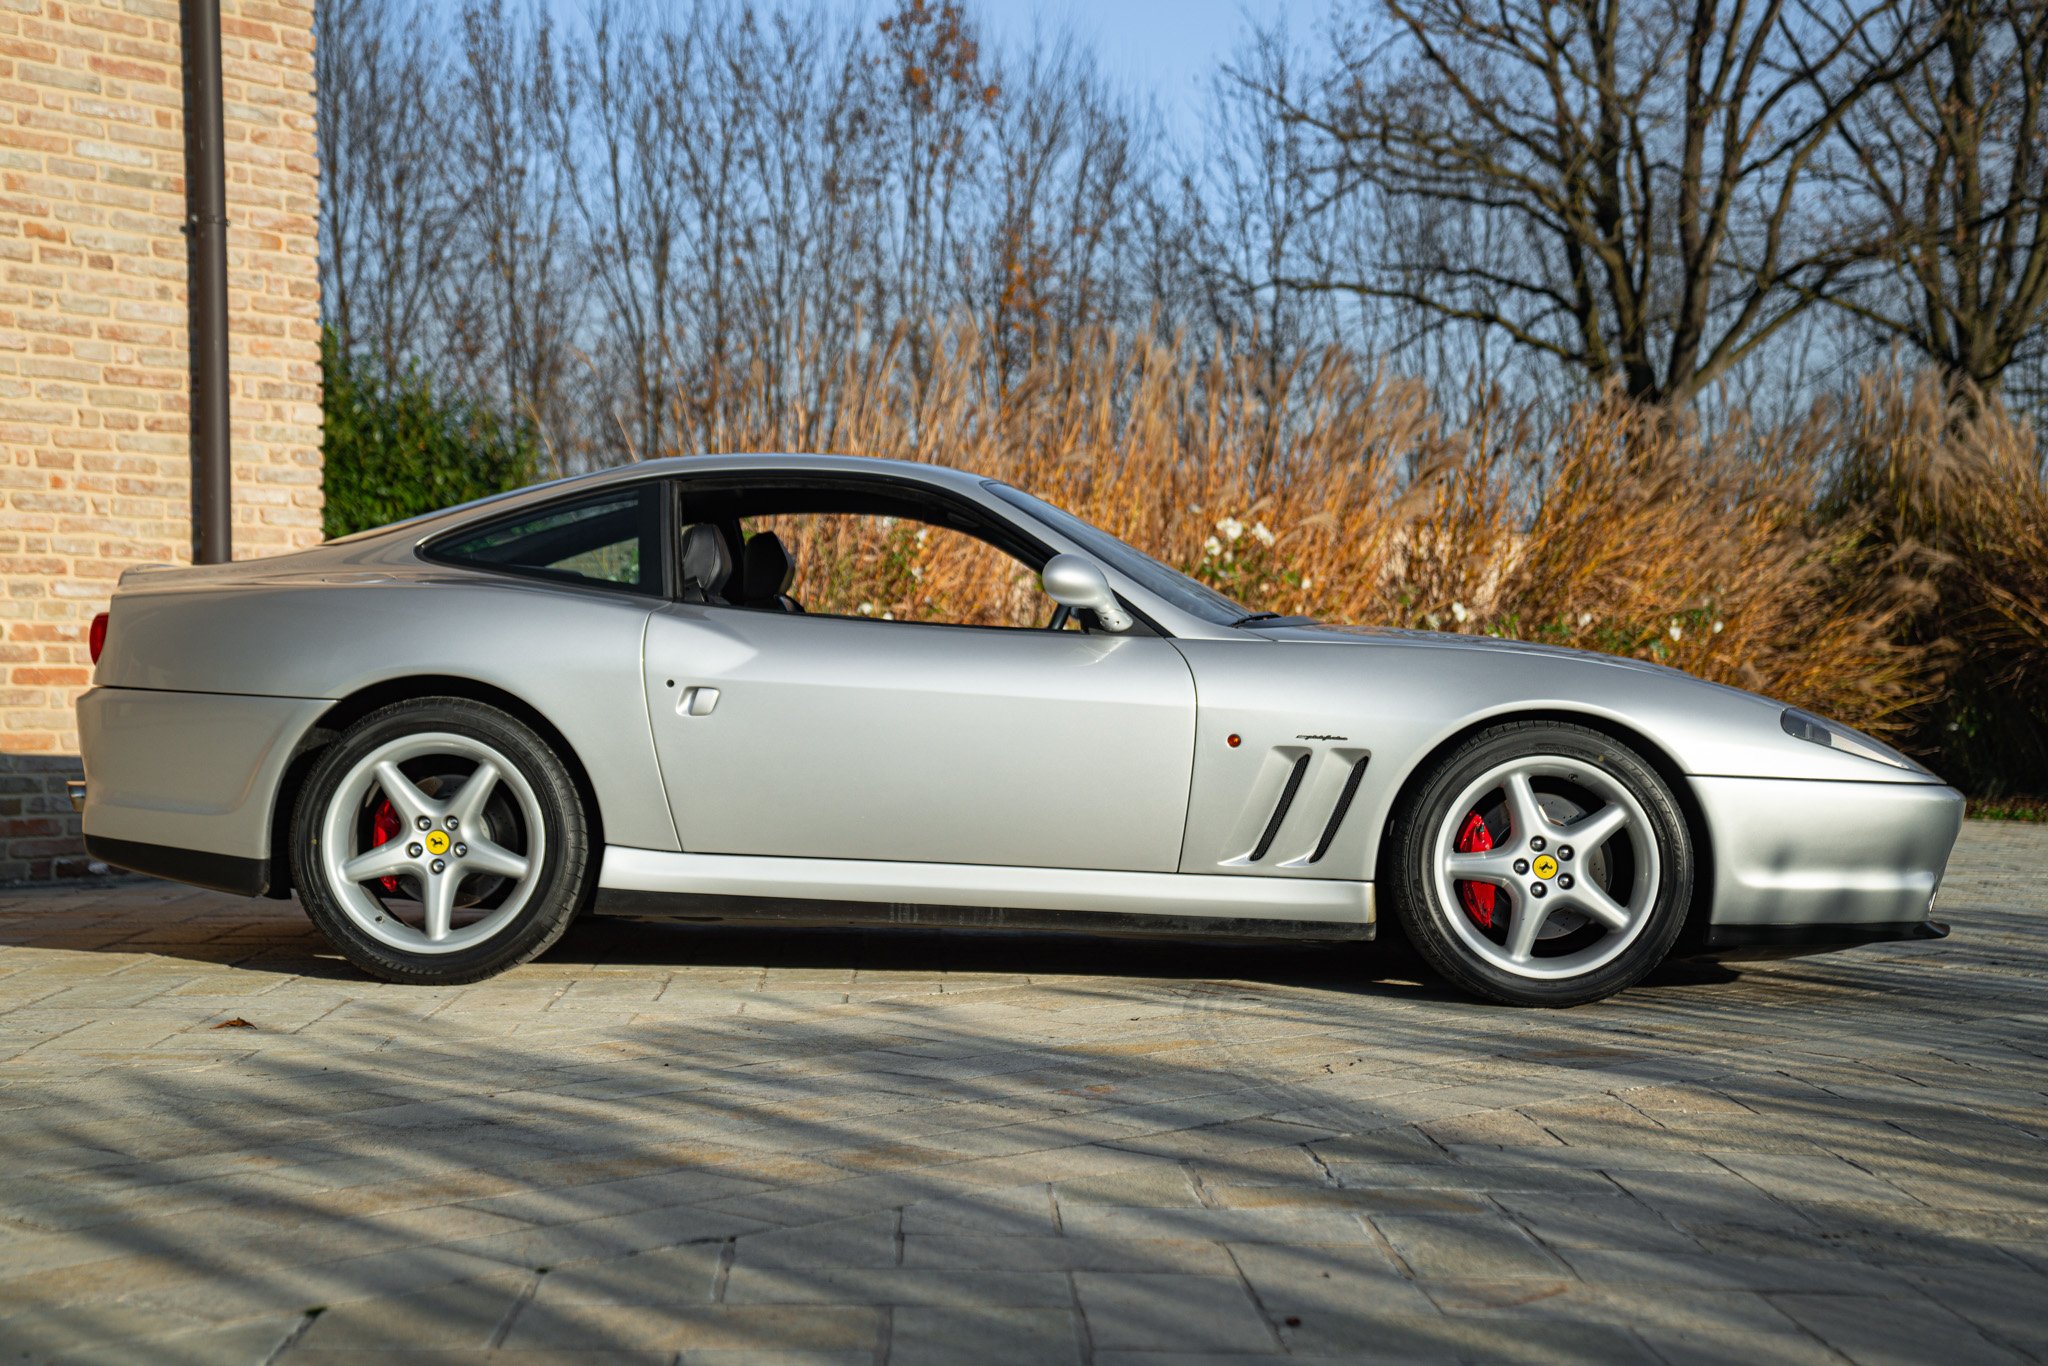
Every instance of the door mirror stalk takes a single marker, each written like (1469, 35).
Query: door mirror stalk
(1078, 582)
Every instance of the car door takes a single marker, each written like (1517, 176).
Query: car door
(834, 737)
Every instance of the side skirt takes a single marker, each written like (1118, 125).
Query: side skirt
(743, 887)
(756, 910)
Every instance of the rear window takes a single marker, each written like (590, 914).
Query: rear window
(612, 540)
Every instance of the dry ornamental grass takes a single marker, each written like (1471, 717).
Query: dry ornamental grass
(1344, 494)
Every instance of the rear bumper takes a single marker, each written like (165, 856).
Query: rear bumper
(220, 872)
(182, 785)
(1825, 862)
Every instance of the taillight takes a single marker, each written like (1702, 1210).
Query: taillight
(96, 638)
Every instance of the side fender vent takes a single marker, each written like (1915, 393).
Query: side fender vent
(1343, 805)
(1280, 812)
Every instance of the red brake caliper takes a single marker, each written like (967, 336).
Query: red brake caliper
(384, 824)
(1479, 897)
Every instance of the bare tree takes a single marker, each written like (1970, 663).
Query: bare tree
(1951, 165)
(387, 223)
(929, 102)
(513, 324)
(1067, 175)
(640, 208)
(618, 125)
(1256, 215)
(1646, 161)
(807, 160)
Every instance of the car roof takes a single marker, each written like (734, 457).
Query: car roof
(512, 500)
(821, 464)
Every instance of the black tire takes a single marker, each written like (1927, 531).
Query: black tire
(1418, 909)
(564, 885)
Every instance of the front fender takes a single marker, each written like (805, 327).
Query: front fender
(1395, 701)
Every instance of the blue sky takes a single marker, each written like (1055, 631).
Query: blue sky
(1163, 48)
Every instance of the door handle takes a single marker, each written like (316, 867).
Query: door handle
(696, 701)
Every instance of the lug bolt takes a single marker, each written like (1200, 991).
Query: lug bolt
(1521, 865)
(461, 849)
(454, 821)
(1564, 880)
(1564, 851)
(439, 866)
(423, 823)
(1537, 844)
(414, 850)
(1538, 889)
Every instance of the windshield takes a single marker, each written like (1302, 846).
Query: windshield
(1196, 599)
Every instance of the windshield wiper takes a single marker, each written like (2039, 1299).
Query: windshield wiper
(1254, 618)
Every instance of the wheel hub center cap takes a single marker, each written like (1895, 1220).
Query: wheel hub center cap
(1545, 866)
(437, 842)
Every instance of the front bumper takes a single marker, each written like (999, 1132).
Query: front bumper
(1734, 942)
(1824, 863)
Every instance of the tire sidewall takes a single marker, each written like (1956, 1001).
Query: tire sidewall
(560, 892)
(1424, 918)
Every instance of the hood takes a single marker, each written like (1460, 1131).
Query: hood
(1709, 728)
(1662, 678)
(1320, 634)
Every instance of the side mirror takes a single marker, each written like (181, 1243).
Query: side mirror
(1073, 581)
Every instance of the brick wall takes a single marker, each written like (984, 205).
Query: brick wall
(94, 414)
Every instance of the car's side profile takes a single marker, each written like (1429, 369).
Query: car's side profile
(640, 690)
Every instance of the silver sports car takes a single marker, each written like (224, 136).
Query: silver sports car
(450, 736)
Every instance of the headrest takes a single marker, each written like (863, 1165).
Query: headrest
(707, 564)
(769, 569)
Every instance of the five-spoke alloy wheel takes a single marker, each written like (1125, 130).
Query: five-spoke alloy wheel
(1541, 864)
(440, 840)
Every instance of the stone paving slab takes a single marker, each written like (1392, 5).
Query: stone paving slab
(706, 1145)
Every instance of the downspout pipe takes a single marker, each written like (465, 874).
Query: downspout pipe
(206, 281)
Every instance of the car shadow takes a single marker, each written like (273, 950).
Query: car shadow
(1388, 966)
(1326, 966)
(275, 937)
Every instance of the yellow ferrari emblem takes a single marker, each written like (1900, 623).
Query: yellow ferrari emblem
(1546, 866)
(437, 842)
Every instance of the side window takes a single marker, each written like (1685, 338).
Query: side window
(610, 540)
(895, 569)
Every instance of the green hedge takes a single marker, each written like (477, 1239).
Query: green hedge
(394, 448)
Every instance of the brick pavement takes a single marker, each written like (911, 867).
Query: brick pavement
(709, 1145)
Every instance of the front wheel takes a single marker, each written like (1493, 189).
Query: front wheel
(440, 841)
(1541, 864)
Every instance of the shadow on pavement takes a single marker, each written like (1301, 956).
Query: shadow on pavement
(677, 1137)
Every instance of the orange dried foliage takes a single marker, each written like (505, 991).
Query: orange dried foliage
(1345, 493)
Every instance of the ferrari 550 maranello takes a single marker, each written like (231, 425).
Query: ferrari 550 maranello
(451, 736)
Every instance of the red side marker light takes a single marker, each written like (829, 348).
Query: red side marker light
(96, 637)
(1234, 741)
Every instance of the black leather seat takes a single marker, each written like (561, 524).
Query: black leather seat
(768, 573)
(707, 564)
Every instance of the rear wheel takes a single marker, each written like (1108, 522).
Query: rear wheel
(440, 841)
(1542, 864)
